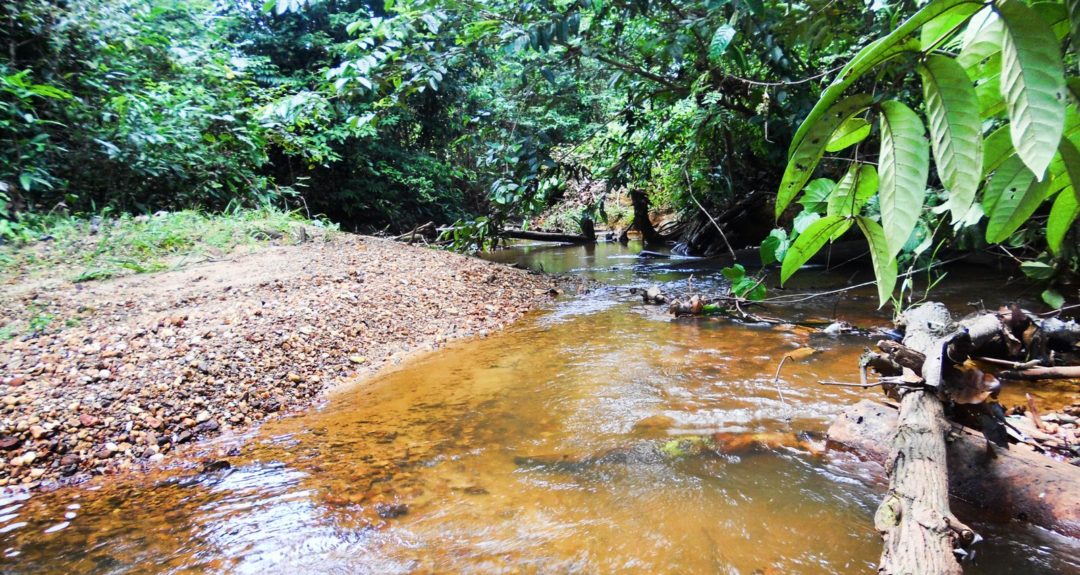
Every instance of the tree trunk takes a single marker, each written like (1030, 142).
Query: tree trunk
(1017, 484)
(642, 222)
(919, 531)
(547, 236)
(914, 518)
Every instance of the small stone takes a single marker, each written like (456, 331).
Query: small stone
(293, 378)
(112, 447)
(391, 510)
(37, 431)
(202, 416)
(153, 423)
(357, 359)
(88, 420)
(16, 381)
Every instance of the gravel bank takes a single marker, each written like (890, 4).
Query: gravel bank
(127, 370)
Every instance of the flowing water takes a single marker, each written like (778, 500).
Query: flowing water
(593, 437)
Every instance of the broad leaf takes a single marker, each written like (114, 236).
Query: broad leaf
(904, 165)
(854, 190)
(996, 149)
(1066, 207)
(884, 264)
(982, 41)
(1064, 212)
(809, 243)
(940, 28)
(815, 196)
(720, 41)
(851, 132)
(952, 111)
(897, 42)
(1011, 197)
(806, 156)
(1032, 84)
(1074, 21)
(991, 103)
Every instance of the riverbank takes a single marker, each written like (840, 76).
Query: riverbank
(108, 376)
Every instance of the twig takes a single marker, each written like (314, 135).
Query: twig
(776, 379)
(801, 298)
(723, 236)
(1009, 364)
(1033, 412)
(850, 384)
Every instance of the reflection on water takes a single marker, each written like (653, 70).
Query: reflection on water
(588, 439)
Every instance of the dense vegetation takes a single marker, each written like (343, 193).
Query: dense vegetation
(384, 115)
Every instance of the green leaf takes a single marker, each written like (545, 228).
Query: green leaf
(1053, 299)
(996, 149)
(26, 180)
(980, 53)
(734, 273)
(854, 190)
(904, 164)
(815, 196)
(806, 156)
(884, 264)
(809, 243)
(851, 132)
(991, 104)
(1063, 213)
(1032, 84)
(804, 220)
(1011, 197)
(1037, 270)
(940, 28)
(774, 246)
(720, 41)
(1074, 21)
(895, 43)
(952, 110)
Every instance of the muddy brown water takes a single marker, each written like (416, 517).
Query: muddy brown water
(562, 445)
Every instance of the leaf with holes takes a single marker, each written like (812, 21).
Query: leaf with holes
(904, 166)
(854, 190)
(806, 156)
(851, 132)
(1011, 197)
(1032, 84)
(809, 243)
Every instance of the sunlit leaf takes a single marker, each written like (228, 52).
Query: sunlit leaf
(952, 113)
(851, 132)
(904, 166)
(1032, 84)
(809, 243)
(884, 263)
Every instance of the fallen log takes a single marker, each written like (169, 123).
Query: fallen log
(919, 532)
(1034, 373)
(547, 236)
(1017, 484)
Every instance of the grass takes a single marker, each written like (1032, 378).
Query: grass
(100, 247)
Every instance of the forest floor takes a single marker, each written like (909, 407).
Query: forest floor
(105, 376)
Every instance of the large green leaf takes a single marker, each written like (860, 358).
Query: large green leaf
(904, 165)
(884, 264)
(1074, 21)
(895, 43)
(1066, 206)
(720, 41)
(982, 42)
(805, 158)
(1011, 197)
(1032, 84)
(851, 132)
(952, 111)
(816, 194)
(809, 243)
(988, 92)
(940, 28)
(858, 185)
(996, 149)
(1064, 212)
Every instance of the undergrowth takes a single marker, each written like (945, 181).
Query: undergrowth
(96, 247)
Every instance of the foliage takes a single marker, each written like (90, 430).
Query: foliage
(994, 103)
(103, 246)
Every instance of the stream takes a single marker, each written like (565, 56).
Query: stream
(565, 444)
